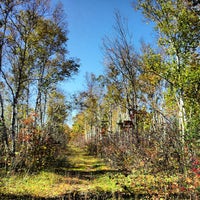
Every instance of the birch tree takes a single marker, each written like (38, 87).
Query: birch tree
(32, 61)
(123, 69)
(177, 23)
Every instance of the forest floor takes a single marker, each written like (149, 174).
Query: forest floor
(88, 177)
(81, 175)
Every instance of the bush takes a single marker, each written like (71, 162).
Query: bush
(36, 148)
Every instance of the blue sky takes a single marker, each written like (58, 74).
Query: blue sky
(89, 21)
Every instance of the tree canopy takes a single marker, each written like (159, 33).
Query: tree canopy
(33, 60)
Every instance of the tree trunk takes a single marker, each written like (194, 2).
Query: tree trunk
(13, 127)
(4, 129)
(182, 127)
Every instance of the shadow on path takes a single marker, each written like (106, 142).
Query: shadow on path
(83, 166)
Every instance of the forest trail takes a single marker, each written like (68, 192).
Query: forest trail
(84, 177)
(81, 176)
(82, 161)
(83, 165)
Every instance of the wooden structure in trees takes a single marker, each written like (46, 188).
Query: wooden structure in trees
(128, 124)
(104, 127)
(133, 113)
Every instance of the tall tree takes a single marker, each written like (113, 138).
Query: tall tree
(6, 9)
(33, 62)
(21, 23)
(57, 115)
(178, 25)
(123, 69)
(89, 103)
(49, 41)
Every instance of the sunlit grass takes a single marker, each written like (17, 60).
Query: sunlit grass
(51, 184)
(84, 162)
(48, 184)
(44, 184)
(88, 174)
(105, 183)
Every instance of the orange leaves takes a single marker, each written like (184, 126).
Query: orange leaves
(27, 129)
(195, 172)
(29, 120)
(23, 137)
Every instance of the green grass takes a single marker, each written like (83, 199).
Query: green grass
(43, 184)
(83, 162)
(52, 184)
(48, 184)
(105, 183)
(88, 174)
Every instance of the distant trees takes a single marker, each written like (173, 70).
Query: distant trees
(89, 103)
(123, 71)
(33, 60)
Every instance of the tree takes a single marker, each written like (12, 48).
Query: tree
(178, 27)
(6, 8)
(33, 62)
(18, 31)
(89, 102)
(123, 70)
(51, 65)
(78, 129)
(57, 115)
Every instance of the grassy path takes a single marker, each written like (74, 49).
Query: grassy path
(82, 174)
(81, 161)
(86, 177)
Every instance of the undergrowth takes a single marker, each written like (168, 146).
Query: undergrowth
(90, 175)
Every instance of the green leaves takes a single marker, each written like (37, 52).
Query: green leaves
(33, 61)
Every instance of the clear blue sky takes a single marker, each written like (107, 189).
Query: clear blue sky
(88, 23)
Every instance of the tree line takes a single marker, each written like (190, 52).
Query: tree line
(33, 60)
(144, 112)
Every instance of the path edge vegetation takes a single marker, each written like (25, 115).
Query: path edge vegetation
(141, 117)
